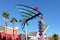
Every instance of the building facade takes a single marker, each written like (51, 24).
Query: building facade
(8, 33)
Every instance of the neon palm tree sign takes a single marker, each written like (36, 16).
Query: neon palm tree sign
(28, 13)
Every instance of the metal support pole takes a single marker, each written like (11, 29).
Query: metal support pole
(26, 31)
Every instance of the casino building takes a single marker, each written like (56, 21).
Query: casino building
(8, 33)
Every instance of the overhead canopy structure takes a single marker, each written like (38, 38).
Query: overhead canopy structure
(27, 13)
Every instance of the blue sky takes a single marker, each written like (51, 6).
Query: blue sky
(50, 9)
